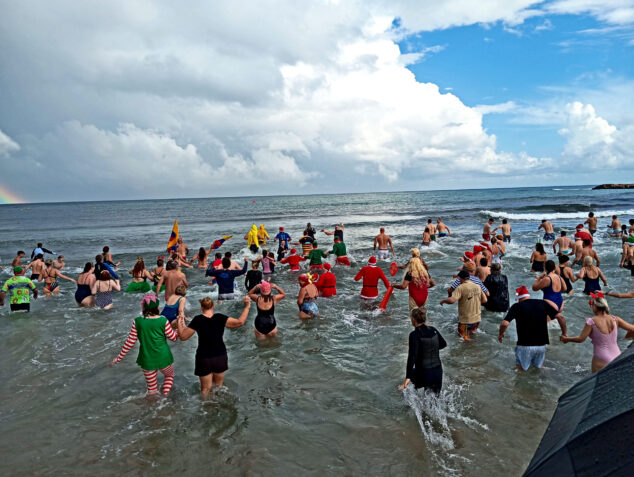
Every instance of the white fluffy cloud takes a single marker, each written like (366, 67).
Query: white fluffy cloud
(594, 143)
(166, 101)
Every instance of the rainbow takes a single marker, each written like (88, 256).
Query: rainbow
(8, 197)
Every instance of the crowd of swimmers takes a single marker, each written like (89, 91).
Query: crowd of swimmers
(478, 282)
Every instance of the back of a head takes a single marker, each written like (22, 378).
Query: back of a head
(171, 265)
(540, 248)
(228, 255)
(20, 252)
(563, 259)
(496, 268)
(40, 245)
(504, 221)
(550, 266)
(218, 256)
(563, 233)
(429, 221)
(87, 267)
(49, 262)
(591, 214)
(104, 275)
(419, 315)
(586, 242)
(40, 256)
(159, 262)
(181, 290)
(602, 304)
(587, 261)
(98, 258)
(206, 303)
(483, 262)
(382, 229)
(106, 249)
(226, 262)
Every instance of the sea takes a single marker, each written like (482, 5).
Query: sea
(319, 399)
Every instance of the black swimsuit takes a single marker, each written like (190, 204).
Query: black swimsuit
(265, 321)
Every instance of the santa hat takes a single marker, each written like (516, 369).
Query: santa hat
(327, 266)
(484, 244)
(281, 229)
(372, 260)
(468, 256)
(293, 250)
(303, 279)
(477, 248)
(580, 226)
(522, 292)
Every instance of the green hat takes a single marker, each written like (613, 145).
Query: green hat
(17, 270)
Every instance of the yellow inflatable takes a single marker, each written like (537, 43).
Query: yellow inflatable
(252, 236)
(263, 234)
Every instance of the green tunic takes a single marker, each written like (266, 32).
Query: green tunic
(316, 255)
(138, 287)
(339, 249)
(154, 352)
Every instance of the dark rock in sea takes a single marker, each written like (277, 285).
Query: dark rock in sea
(614, 186)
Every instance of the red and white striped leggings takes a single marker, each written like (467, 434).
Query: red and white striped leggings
(152, 380)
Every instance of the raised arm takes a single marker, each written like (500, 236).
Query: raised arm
(116, 285)
(280, 293)
(252, 293)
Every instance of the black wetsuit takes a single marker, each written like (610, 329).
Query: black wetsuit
(424, 368)
(254, 277)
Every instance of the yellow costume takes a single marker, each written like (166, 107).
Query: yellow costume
(252, 236)
(263, 234)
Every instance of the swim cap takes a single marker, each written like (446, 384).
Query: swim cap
(149, 302)
(327, 266)
(265, 288)
(18, 270)
(372, 260)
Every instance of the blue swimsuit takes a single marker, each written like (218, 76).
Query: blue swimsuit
(552, 295)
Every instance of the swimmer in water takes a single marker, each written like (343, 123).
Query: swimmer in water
(201, 258)
(293, 260)
(265, 324)
(426, 237)
(107, 257)
(432, 230)
(307, 298)
(151, 330)
(59, 262)
(552, 286)
(564, 243)
(424, 368)
(506, 230)
(51, 286)
(486, 231)
(538, 258)
(371, 274)
(384, 241)
(592, 223)
(37, 267)
(549, 231)
(17, 261)
(443, 230)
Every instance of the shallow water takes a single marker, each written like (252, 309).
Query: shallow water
(321, 397)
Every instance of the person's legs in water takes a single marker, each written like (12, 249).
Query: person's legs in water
(152, 382)
(169, 379)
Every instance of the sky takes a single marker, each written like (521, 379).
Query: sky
(157, 99)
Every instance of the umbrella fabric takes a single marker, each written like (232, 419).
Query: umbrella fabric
(592, 430)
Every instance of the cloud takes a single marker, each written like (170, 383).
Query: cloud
(496, 108)
(7, 145)
(594, 143)
(615, 12)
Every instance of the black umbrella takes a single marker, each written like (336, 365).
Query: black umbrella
(592, 430)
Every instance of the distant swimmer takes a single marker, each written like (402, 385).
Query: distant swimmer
(591, 275)
(17, 261)
(103, 288)
(383, 241)
(564, 243)
(566, 273)
(592, 223)
(307, 298)
(426, 237)
(265, 301)
(501, 245)
(51, 274)
(140, 276)
(59, 262)
(339, 249)
(338, 232)
(432, 230)
(157, 272)
(293, 260)
(37, 267)
(40, 250)
(211, 355)
(268, 263)
(327, 283)
(200, 257)
(252, 239)
(549, 230)
(263, 235)
(506, 230)
(417, 281)
(182, 250)
(171, 278)
(107, 257)
(424, 368)
(225, 277)
(583, 233)
(151, 330)
(586, 251)
(217, 264)
(309, 230)
(315, 256)
(371, 274)
(283, 240)
(470, 298)
(85, 281)
(20, 288)
(486, 231)
(443, 230)
(538, 258)
(496, 251)
(614, 230)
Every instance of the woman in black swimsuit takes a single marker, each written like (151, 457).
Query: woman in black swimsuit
(265, 324)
